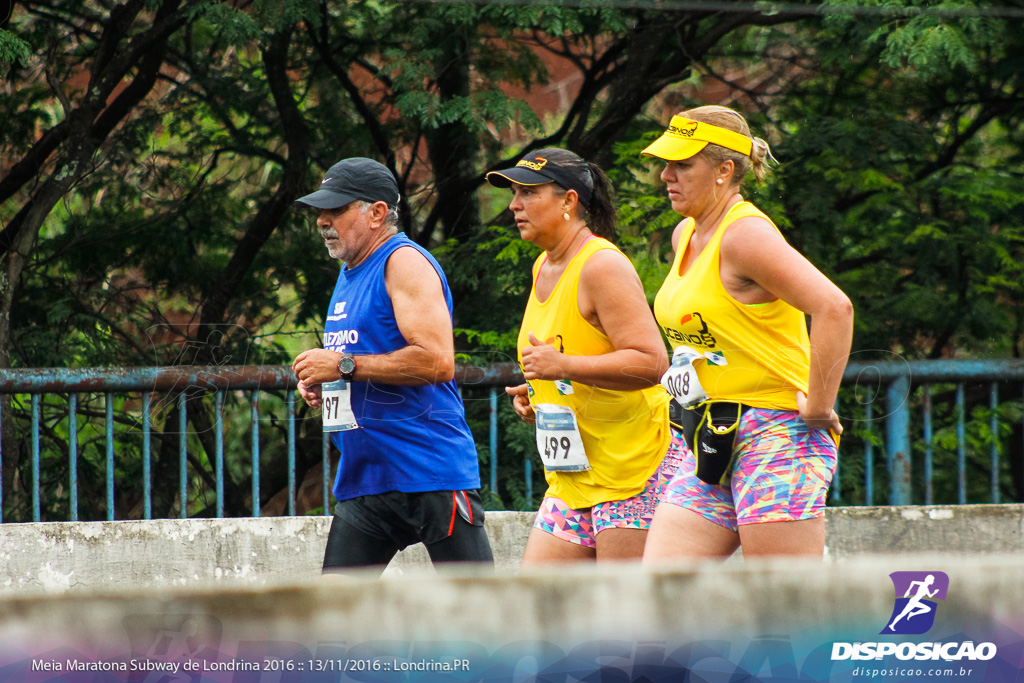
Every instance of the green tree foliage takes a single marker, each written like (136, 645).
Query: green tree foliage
(914, 145)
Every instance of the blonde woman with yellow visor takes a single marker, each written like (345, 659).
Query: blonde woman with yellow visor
(758, 432)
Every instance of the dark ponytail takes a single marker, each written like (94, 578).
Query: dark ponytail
(600, 212)
(602, 207)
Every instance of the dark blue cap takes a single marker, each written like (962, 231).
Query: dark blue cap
(352, 179)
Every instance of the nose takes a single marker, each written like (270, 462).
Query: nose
(323, 220)
(515, 204)
(668, 174)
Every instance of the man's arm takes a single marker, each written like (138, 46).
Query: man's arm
(422, 316)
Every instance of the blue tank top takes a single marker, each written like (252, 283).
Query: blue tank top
(411, 438)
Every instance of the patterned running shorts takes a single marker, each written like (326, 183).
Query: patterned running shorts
(782, 472)
(582, 526)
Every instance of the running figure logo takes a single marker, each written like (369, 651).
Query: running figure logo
(914, 612)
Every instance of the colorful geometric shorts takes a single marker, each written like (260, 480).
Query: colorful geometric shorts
(782, 473)
(582, 526)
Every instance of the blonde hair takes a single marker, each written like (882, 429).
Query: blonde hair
(724, 117)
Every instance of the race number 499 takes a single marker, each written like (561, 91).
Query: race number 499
(559, 443)
(556, 448)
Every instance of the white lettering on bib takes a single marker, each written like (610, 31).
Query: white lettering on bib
(558, 439)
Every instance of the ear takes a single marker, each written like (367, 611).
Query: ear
(725, 170)
(570, 200)
(378, 211)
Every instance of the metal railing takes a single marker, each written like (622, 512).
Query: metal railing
(178, 386)
(915, 431)
(913, 384)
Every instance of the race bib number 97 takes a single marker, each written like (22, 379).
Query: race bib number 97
(337, 407)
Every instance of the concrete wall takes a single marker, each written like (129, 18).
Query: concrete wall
(62, 557)
(957, 529)
(58, 557)
(801, 604)
(217, 593)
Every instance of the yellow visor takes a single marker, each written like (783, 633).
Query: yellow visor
(685, 137)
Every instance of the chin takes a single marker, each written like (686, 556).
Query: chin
(680, 207)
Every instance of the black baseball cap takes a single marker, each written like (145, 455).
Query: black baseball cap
(537, 169)
(352, 179)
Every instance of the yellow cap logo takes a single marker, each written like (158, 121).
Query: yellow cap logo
(685, 131)
(535, 165)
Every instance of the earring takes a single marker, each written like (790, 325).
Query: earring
(565, 215)
(719, 181)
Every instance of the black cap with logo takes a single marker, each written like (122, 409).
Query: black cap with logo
(352, 179)
(536, 169)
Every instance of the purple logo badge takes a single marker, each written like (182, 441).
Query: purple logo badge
(916, 593)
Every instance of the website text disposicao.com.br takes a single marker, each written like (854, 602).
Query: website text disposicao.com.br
(902, 672)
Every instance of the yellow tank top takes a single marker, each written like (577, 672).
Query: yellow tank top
(755, 354)
(625, 433)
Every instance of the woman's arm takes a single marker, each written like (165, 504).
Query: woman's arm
(612, 299)
(755, 253)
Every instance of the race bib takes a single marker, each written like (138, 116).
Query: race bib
(337, 407)
(558, 439)
(681, 378)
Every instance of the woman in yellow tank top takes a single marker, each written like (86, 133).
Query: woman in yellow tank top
(592, 356)
(760, 388)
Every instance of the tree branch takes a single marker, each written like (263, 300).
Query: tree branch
(224, 286)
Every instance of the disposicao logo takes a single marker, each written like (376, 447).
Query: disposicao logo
(913, 613)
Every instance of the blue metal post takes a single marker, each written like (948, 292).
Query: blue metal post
(897, 437)
(219, 455)
(35, 458)
(528, 468)
(929, 485)
(147, 468)
(494, 441)
(73, 453)
(325, 443)
(869, 460)
(255, 418)
(110, 456)
(182, 455)
(961, 448)
(291, 452)
(993, 402)
(1, 464)
(836, 493)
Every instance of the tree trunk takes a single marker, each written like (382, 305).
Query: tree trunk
(452, 148)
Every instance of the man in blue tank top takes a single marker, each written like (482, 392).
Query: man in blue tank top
(408, 471)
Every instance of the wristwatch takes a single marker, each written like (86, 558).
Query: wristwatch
(347, 366)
